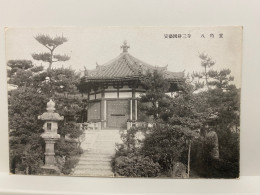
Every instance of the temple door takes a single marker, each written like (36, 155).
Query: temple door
(117, 113)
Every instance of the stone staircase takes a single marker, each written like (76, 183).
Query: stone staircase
(99, 148)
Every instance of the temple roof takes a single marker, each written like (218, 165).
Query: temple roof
(126, 66)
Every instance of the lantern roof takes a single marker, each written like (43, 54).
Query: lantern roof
(50, 115)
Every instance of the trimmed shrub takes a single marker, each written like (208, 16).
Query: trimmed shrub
(136, 166)
(67, 154)
(66, 149)
(69, 165)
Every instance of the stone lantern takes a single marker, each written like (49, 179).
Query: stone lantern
(50, 135)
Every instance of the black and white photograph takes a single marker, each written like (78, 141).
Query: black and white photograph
(137, 102)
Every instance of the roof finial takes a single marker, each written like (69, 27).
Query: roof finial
(50, 106)
(125, 46)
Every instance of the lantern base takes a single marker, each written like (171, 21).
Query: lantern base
(50, 170)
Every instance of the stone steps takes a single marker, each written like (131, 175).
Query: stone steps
(95, 158)
(92, 166)
(95, 161)
(94, 173)
(95, 167)
(99, 153)
(94, 153)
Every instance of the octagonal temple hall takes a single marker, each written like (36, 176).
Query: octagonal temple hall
(113, 89)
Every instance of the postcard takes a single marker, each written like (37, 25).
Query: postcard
(157, 102)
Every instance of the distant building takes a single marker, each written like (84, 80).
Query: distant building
(113, 89)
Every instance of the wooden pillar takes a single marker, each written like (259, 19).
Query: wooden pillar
(136, 110)
(105, 114)
(131, 109)
(103, 111)
(133, 93)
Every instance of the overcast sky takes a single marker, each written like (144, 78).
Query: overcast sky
(86, 46)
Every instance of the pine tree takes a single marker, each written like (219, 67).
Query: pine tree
(222, 98)
(27, 102)
(20, 72)
(206, 63)
(26, 146)
(154, 102)
(51, 44)
(176, 121)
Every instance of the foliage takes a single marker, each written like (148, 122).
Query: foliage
(130, 143)
(210, 77)
(128, 161)
(66, 149)
(164, 145)
(185, 112)
(28, 101)
(69, 165)
(206, 63)
(180, 124)
(16, 65)
(223, 99)
(47, 57)
(51, 44)
(64, 80)
(132, 139)
(155, 102)
(21, 72)
(26, 146)
(220, 79)
(176, 120)
(136, 166)
(208, 167)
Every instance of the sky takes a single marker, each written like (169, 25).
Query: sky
(88, 46)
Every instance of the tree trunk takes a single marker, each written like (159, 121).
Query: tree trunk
(189, 158)
(206, 76)
(50, 63)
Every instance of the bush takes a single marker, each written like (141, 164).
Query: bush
(69, 165)
(208, 167)
(136, 166)
(66, 149)
(224, 169)
(165, 145)
(67, 154)
(132, 141)
(160, 146)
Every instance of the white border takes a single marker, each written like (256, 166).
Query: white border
(22, 13)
